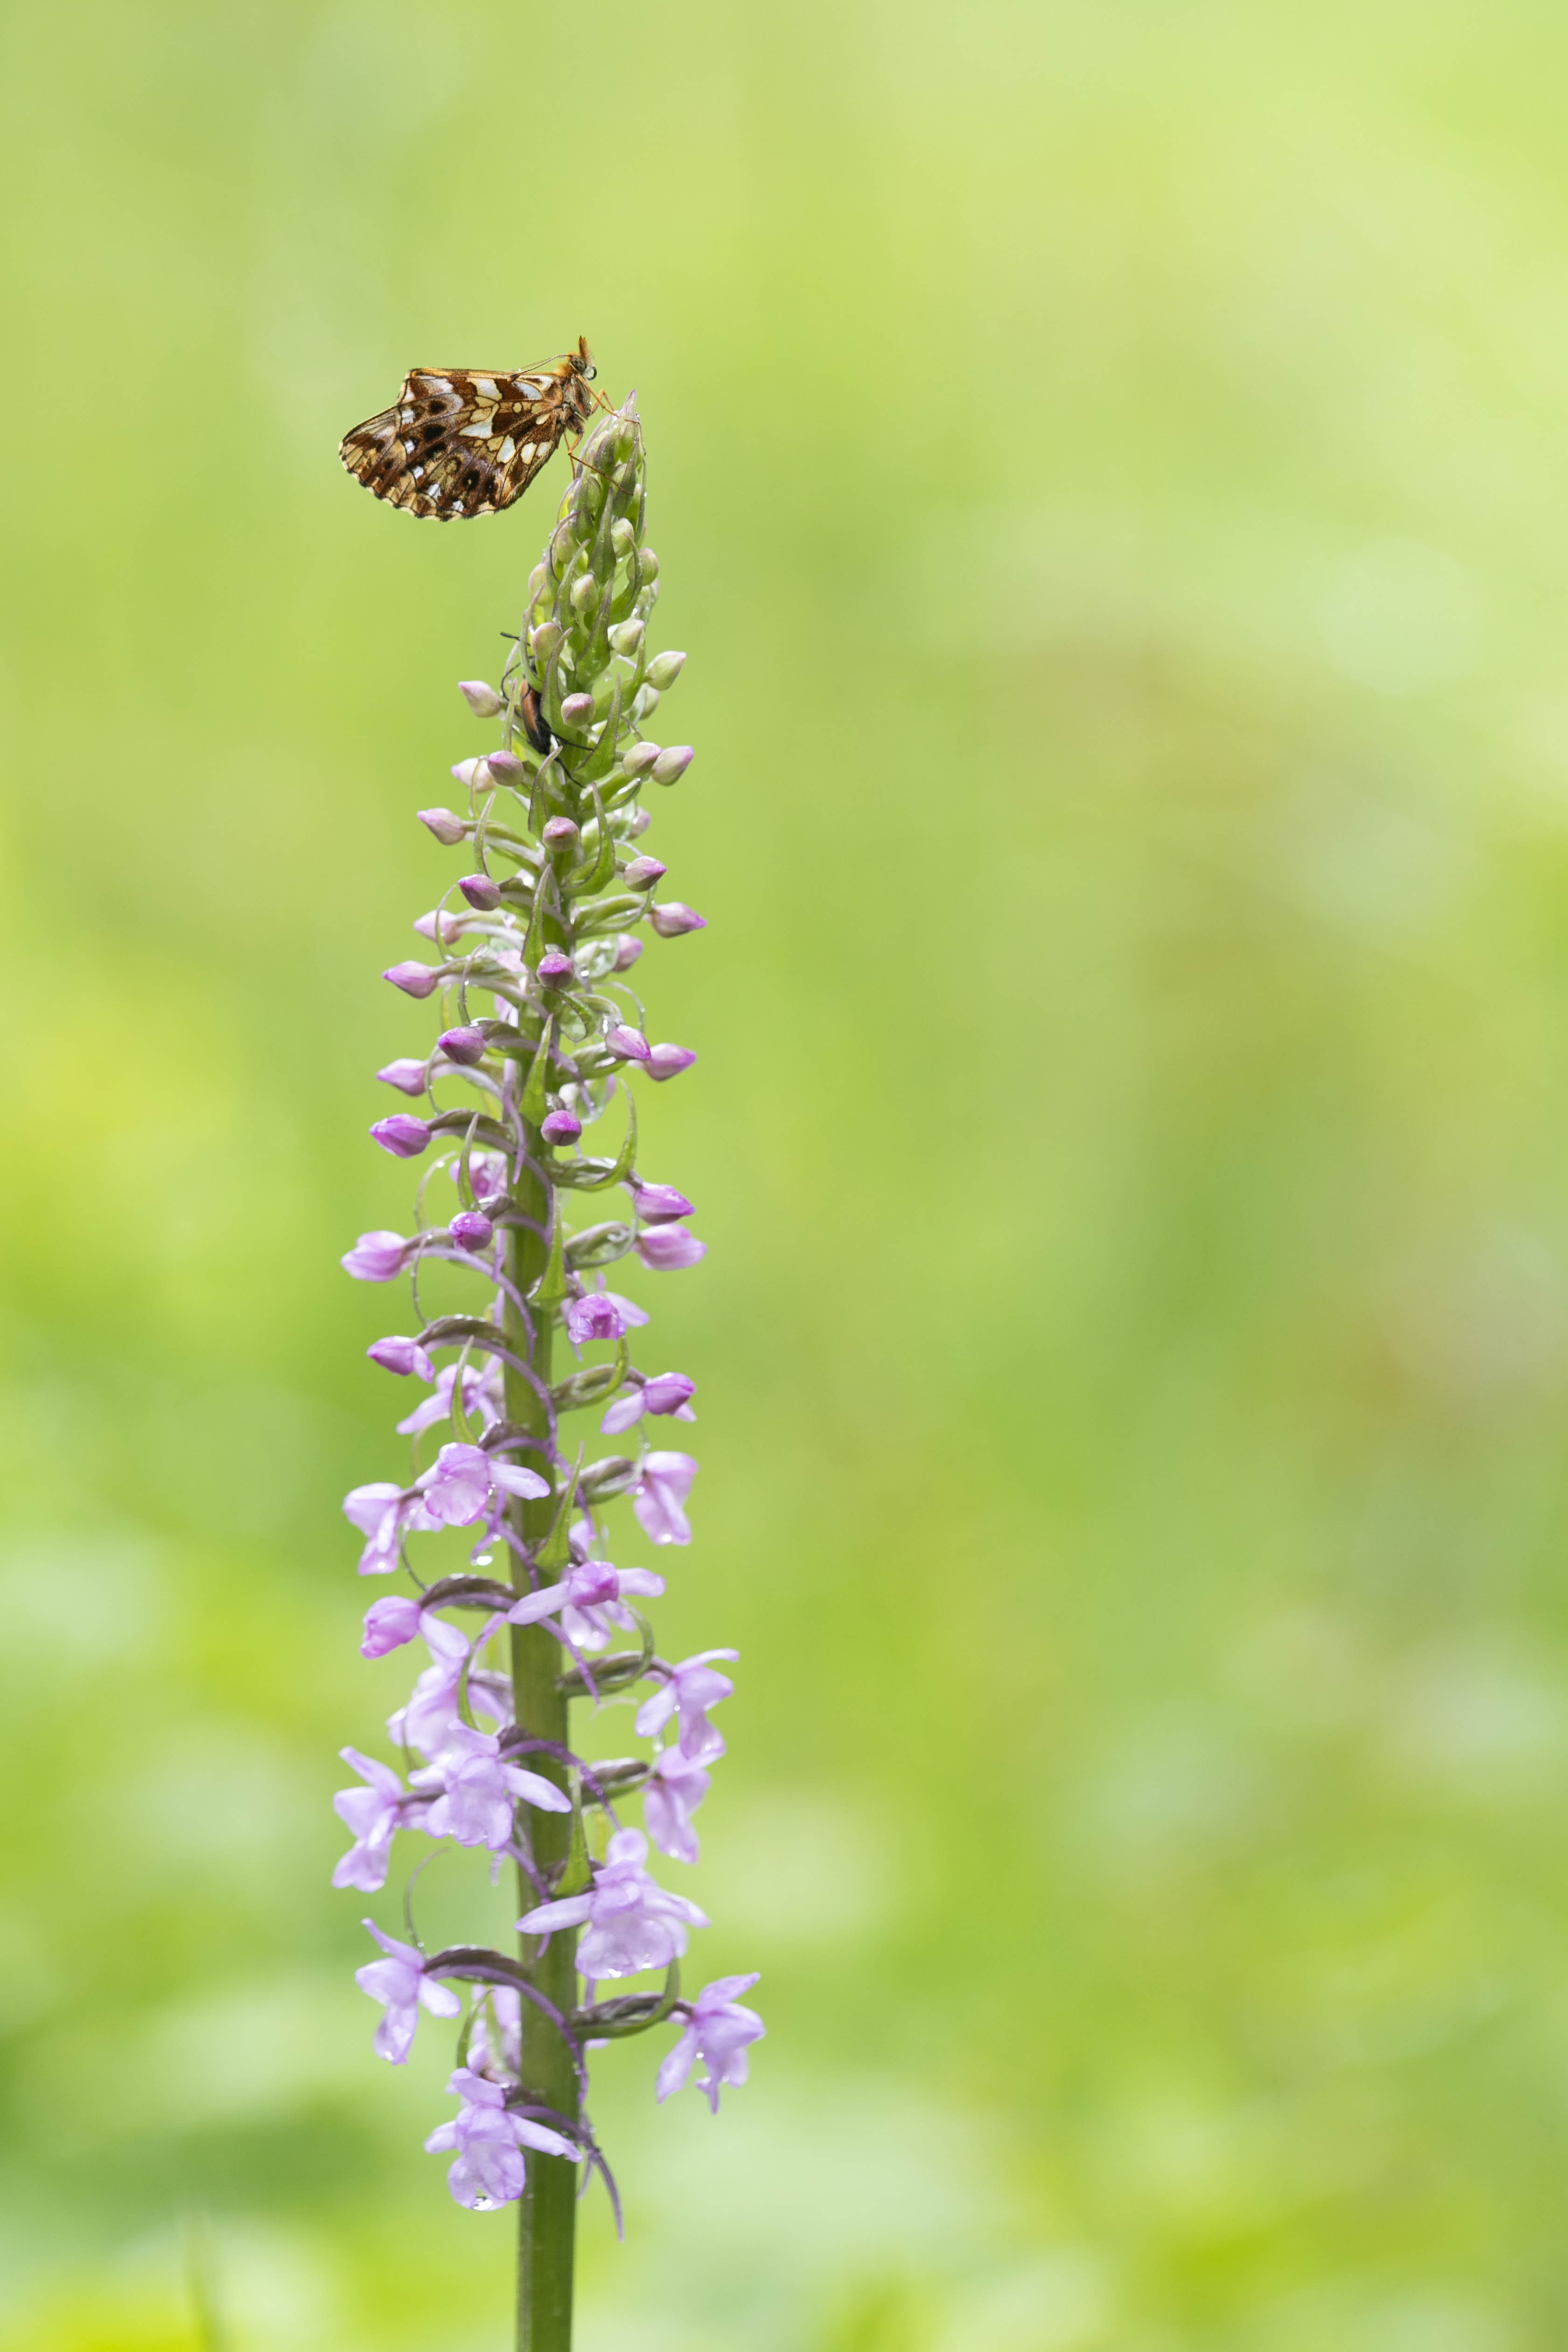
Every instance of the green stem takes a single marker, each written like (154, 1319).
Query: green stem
(548, 2212)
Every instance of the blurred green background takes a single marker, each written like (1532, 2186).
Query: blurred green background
(1109, 464)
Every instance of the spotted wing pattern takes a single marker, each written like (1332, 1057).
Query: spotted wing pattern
(462, 442)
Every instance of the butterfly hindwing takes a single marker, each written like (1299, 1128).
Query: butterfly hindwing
(465, 441)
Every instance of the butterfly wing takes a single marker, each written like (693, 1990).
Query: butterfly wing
(460, 442)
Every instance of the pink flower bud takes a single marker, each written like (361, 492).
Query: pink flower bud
(658, 1203)
(473, 773)
(554, 970)
(641, 820)
(640, 758)
(560, 834)
(470, 1230)
(665, 1248)
(401, 1356)
(407, 1076)
(439, 928)
(673, 917)
(404, 1136)
(669, 1061)
(627, 950)
(643, 872)
(445, 823)
(479, 891)
(672, 763)
(626, 1044)
(505, 766)
(380, 1256)
(414, 979)
(464, 1046)
(388, 1625)
(577, 709)
(667, 1391)
(482, 699)
(560, 1127)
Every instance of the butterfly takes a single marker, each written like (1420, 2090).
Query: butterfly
(462, 441)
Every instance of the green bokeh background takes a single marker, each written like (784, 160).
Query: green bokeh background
(1110, 464)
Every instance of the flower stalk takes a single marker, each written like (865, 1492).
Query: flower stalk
(543, 926)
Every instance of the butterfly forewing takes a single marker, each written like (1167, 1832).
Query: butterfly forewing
(462, 441)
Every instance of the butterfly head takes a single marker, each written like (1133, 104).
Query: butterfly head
(582, 360)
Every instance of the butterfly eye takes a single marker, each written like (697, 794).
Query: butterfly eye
(589, 374)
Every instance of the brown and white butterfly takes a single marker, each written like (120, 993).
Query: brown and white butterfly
(467, 441)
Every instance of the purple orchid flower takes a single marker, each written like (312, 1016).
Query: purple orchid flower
(481, 1397)
(432, 1717)
(479, 1789)
(373, 1813)
(692, 1687)
(668, 1393)
(659, 1497)
(487, 2169)
(589, 1600)
(400, 1984)
(632, 1923)
(671, 1794)
(719, 2031)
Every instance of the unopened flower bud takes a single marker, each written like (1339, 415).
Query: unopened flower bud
(649, 562)
(438, 927)
(658, 1204)
(403, 1136)
(560, 1127)
(470, 1230)
(665, 1249)
(664, 670)
(672, 763)
(482, 699)
(464, 1046)
(641, 820)
(640, 758)
(644, 702)
(577, 709)
(543, 641)
(380, 1256)
(643, 872)
(584, 592)
(627, 1044)
(627, 637)
(472, 773)
(407, 1076)
(627, 950)
(505, 766)
(445, 823)
(623, 538)
(560, 835)
(674, 917)
(401, 1356)
(414, 979)
(556, 970)
(669, 1061)
(479, 891)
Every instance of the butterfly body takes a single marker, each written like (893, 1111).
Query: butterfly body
(469, 441)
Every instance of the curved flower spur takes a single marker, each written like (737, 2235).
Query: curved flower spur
(539, 1034)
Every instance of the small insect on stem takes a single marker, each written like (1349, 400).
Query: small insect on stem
(469, 441)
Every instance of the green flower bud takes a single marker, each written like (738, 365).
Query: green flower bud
(649, 562)
(664, 668)
(543, 641)
(629, 636)
(623, 538)
(585, 592)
